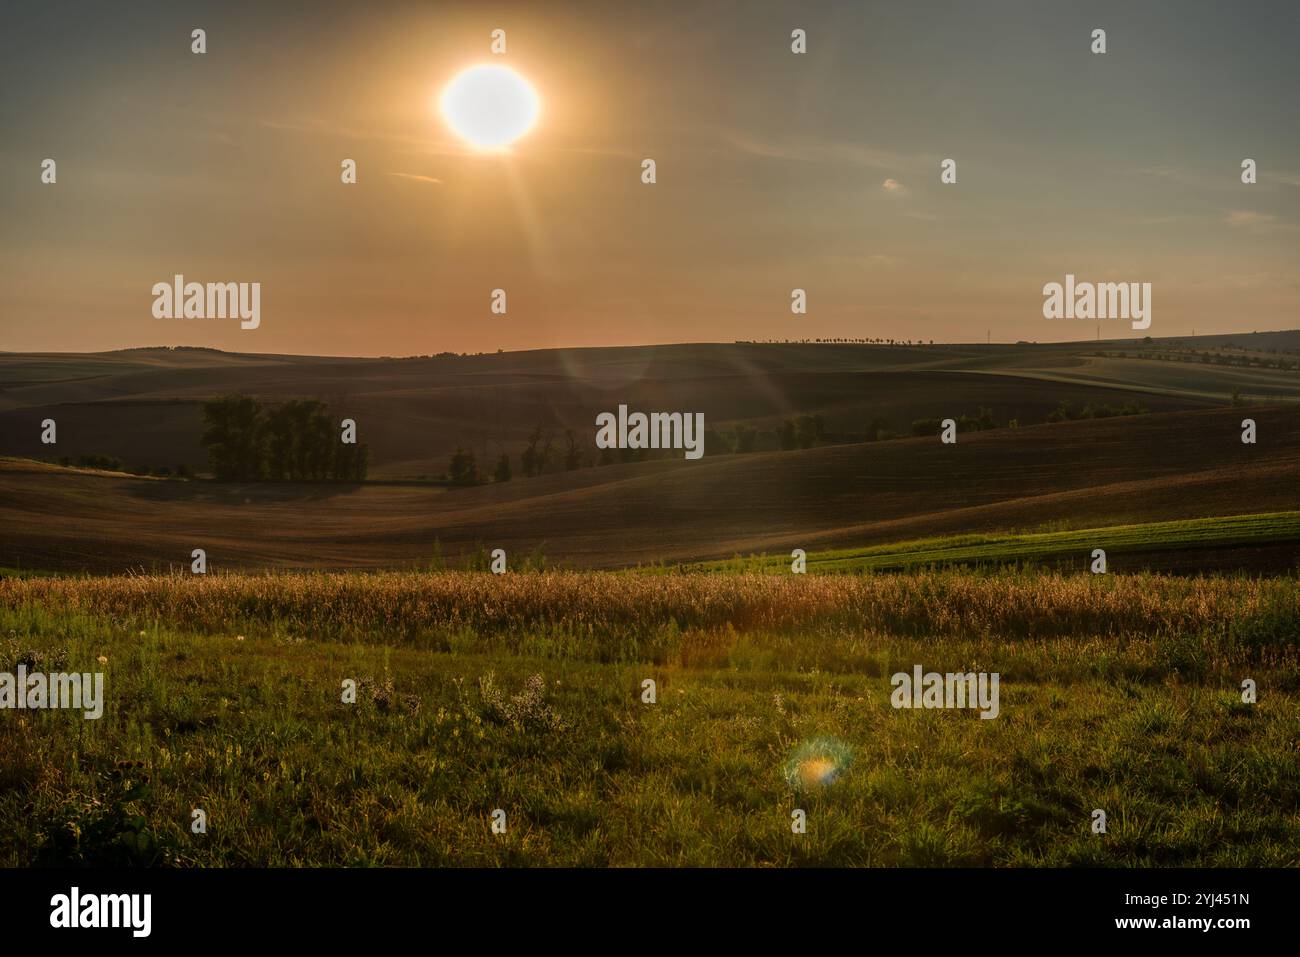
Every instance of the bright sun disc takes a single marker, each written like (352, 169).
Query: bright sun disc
(490, 106)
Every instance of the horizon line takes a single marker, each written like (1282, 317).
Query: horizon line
(829, 341)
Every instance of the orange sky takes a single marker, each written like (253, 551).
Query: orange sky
(772, 172)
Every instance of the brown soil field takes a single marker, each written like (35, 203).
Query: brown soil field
(144, 406)
(1085, 474)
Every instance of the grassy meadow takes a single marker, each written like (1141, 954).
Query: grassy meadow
(1067, 547)
(524, 692)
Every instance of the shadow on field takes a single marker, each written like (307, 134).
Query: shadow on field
(209, 492)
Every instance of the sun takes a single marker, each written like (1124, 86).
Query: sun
(490, 106)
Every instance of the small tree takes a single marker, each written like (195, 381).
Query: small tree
(717, 443)
(745, 438)
(572, 451)
(502, 473)
(463, 469)
(280, 441)
(350, 463)
(1062, 413)
(534, 458)
(322, 441)
(233, 435)
(808, 431)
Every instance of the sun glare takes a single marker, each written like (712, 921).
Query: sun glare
(489, 106)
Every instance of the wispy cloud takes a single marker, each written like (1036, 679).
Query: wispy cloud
(1248, 217)
(599, 151)
(1162, 220)
(415, 176)
(1172, 174)
(1229, 178)
(812, 151)
(422, 145)
(1255, 221)
(405, 144)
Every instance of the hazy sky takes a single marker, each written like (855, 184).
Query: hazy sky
(772, 171)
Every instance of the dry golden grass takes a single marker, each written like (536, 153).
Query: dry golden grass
(938, 603)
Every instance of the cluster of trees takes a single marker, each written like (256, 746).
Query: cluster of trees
(296, 441)
(1220, 357)
(802, 433)
(979, 422)
(541, 451)
(1098, 410)
(539, 455)
(542, 454)
(111, 463)
(878, 430)
(741, 439)
(1248, 362)
(464, 468)
(860, 341)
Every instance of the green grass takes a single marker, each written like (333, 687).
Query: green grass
(1074, 545)
(225, 694)
(1194, 380)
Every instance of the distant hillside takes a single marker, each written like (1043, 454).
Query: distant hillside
(1132, 470)
(143, 405)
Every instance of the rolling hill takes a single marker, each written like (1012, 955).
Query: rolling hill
(1103, 472)
(144, 405)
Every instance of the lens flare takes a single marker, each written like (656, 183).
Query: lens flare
(817, 763)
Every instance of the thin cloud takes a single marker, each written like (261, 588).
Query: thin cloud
(598, 151)
(1228, 178)
(421, 145)
(1160, 220)
(415, 176)
(1247, 217)
(1172, 173)
(847, 154)
(1252, 220)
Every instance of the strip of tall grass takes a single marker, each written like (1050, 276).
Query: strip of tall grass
(615, 616)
